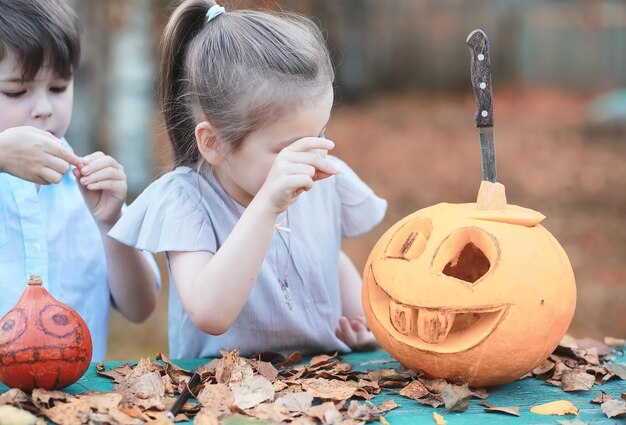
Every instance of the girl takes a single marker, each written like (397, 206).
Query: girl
(247, 97)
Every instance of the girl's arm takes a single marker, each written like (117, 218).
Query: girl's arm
(214, 288)
(352, 328)
(350, 285)
(132, 283)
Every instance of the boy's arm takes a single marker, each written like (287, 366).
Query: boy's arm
(132, 281)
(34, 155)
(102, 182)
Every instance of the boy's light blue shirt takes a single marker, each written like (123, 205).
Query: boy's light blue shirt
(51, 233)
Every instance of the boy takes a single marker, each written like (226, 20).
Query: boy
(56, 208)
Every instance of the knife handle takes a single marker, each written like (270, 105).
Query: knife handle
(481, 77)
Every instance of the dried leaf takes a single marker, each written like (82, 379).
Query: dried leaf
(415, 390)
(266, 369)
(147, 385)
(42, 398)
(616, 369)
(11, 415)
(544, 367)
(321, 359)
(577, 380)
(117, 374)
(252, 391)
(229, 362)
(269, 411)
(587, 343)
(614, 342)
(456, 397)
(602, 398)
(216, 395)
(386, 406)
(560, 407)
(321, 411)
(209, 416)
(613, 408)
(176, 373)
(439, 420)
(292, 359)
(433, 400)
(14, 396)
(509, 410)
(362, 412)
(433, 385)
(296, 402)
(72, 413)
(480, 393)
(327, 389)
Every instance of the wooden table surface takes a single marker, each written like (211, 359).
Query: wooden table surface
(524, 393)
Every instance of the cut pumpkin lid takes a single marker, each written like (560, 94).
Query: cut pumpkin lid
(513, 214)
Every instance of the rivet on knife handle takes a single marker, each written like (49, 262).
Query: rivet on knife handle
(481, 77)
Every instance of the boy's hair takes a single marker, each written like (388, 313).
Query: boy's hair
(40, 33)
(237, 71)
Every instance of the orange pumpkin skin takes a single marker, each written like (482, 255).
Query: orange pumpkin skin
(469, 295)
(43, 342)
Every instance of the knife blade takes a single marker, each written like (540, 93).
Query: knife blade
(481, 83)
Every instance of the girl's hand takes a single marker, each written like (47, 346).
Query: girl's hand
(355, 334)
(34, 155)
(294, 170)
(103, 185)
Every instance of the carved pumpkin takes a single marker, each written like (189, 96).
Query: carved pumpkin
(479, 293)
(43, 342)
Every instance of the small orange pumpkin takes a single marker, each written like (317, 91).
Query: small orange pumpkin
(479, 293)
(43, 342)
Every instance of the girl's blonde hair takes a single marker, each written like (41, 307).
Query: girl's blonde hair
(239, 70)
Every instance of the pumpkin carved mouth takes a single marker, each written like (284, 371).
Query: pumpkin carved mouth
(443, 330)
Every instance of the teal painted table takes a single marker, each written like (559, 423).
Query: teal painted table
(524, 393)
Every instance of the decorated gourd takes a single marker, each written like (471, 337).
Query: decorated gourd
(479, 293)
(43, 342)
(469, 295)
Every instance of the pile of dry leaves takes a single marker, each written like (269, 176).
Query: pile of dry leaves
(325, 390)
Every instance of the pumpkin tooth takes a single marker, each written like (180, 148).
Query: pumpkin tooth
(433, 326)
(402, 317)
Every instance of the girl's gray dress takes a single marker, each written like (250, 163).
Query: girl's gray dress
(189, 211)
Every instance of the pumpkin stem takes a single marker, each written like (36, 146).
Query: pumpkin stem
(35, 280)
(491, 196)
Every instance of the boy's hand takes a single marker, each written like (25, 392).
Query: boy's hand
(355, 334)
(103, 184)
(34, 155)
(294, 170)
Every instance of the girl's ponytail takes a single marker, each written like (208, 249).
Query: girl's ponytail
(183, 26)
(239, 71)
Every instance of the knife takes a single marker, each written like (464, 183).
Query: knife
(481, 82)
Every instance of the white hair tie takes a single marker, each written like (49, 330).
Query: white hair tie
(214, 11)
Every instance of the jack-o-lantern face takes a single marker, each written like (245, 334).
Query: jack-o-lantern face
(480, 296)
(43, 342)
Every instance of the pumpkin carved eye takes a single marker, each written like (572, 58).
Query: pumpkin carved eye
(58, 321)
(467, 254)
(410, 240)
(13, 326)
